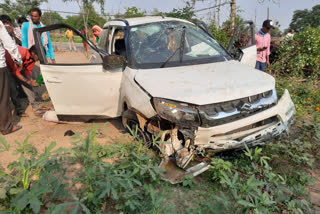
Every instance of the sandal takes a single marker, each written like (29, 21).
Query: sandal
(14, 129)
(23, 115)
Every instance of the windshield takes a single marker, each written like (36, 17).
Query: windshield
(167, 44)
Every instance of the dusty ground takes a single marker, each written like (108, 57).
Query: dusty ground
(45, 132)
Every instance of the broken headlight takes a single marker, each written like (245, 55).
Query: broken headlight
(180, 113)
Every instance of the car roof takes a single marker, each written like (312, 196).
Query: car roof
(142, 20)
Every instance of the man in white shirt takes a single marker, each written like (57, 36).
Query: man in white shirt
(290, 34)
(6, 106)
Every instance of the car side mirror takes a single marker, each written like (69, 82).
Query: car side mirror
(237, 54)
(111, 62)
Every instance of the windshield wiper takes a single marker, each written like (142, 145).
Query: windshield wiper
(181, 49)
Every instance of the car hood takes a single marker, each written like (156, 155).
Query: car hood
(206, 83)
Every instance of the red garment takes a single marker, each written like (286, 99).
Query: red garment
(28, 63)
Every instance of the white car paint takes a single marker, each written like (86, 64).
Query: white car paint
(143, 20)
(134, 96)
(206, 83)
(249, 56)
(83, 89)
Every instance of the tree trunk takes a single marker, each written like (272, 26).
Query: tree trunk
(233, 15)
(219, 6)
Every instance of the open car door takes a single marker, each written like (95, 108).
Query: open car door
(242, 44)
(77, 84)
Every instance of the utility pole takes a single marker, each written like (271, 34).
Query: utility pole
(218, 10)
(268, 13)
(255, 16)
(233, 6)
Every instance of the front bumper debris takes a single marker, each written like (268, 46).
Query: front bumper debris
(175, 175)
(253, 131)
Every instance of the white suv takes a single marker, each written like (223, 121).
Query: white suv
(171, 76)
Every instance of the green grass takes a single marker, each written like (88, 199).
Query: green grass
(77, 39)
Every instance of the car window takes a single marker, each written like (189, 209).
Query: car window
(178, 43)
(243, 37)
(103, 39)
(118, 43)
(67, 47)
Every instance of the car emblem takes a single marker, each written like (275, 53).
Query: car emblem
(245, 108)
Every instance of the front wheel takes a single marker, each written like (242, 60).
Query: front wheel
(131, 124)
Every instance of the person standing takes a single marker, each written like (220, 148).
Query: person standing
(85, 45)
(69, 35)
(6, 110)
(17, 30)
(27, 34)
(263, 40)
(96, 30)
(7, 21)
(290, 34)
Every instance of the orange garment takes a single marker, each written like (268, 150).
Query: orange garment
(27, 62)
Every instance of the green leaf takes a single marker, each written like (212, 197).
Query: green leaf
(15, 191)
(35, 205)
(85, 209)
(5, 146)
(3, 192)
(245, 203)
(75, 210)
(51, 146)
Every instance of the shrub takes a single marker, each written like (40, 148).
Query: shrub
(299, 55)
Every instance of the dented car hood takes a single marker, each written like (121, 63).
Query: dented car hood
(206, 83)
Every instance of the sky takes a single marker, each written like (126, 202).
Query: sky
(280, 10)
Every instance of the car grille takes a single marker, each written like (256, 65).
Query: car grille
(226, 112)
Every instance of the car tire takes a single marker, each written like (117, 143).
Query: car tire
(131, 123)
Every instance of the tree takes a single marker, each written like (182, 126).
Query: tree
(304, 18)
(74, 21)
(276, 32)
(185, 13)
(132, 12)
(86, 6)
(49, 18)
(233, 14)
(156, 12)
(93, 19)
(19, 7)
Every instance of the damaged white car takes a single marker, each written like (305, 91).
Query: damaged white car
(171, 76)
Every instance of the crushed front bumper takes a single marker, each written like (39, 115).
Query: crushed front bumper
(252, 130)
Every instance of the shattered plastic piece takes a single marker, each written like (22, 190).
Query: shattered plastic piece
(175, 175)
(50, 116)
(183, 157)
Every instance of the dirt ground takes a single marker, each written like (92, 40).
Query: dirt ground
(44, 132)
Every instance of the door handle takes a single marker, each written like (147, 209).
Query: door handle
(54, 80)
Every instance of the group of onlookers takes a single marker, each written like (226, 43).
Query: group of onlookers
(18, 55)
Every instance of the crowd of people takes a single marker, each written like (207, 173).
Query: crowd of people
(18, 55)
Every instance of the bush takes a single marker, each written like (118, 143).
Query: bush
(221, 35)
(305, 94)
(299, 55)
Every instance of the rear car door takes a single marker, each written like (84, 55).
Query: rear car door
(244, 39)
(78, 84)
